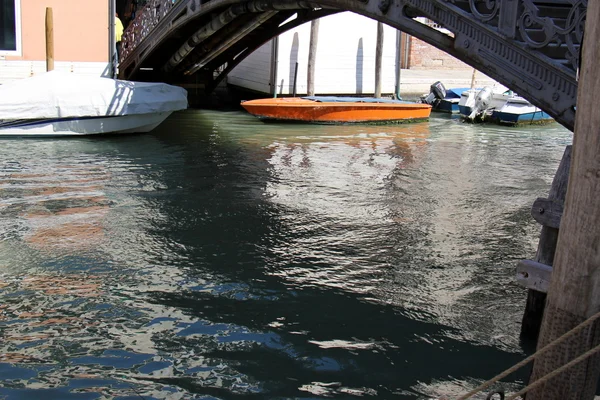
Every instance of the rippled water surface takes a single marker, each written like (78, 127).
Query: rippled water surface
(221, 257)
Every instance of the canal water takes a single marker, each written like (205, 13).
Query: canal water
(220, 257)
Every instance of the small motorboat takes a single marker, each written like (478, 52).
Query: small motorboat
(517, 111)
(476, 105)
(337, 110)
(500, 106)
(442, 99)
(66, 104)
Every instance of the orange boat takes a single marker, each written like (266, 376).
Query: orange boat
(337, 110)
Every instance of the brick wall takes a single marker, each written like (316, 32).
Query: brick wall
(423, 55)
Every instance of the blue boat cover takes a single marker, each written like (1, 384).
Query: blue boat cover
(455, 93)
(330, 99)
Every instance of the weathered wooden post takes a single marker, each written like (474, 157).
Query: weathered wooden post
(275, 79)
(295, 78)
(398, 64)
(312, 57)
(378, 59)
(536, 275)
(473, 78)
(49, 40)
(574, 293)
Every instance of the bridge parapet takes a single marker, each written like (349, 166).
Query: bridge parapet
(145, 20)
(554, 27)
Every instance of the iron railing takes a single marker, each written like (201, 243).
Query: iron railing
(145, 20)
(534, 25)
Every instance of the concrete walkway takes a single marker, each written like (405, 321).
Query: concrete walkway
(415, 82)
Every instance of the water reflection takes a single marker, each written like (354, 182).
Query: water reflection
(223, 257)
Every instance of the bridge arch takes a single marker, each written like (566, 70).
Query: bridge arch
(530, 46)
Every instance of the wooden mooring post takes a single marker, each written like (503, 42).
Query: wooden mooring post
(312, 57)
(535, 275)
(49, 40)
(295, 79)
(574, 292)
(378, 59)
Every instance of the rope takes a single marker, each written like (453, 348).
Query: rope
(526, 361)
(552, 374)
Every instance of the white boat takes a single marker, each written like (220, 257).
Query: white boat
(474, 103)
(501, 106)
(518, 110)
(66, 104)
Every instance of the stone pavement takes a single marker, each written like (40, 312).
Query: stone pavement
(415, 82)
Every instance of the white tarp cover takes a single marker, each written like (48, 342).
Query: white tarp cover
(58, 94)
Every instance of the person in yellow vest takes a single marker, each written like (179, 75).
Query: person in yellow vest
(118, 35)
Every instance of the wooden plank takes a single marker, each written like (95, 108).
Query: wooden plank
(574, 292)
(534, 275)
(547, 212)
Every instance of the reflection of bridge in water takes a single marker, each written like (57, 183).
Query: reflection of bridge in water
(530, 46)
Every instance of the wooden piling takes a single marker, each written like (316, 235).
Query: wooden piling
(49, 40)
(574, 293)
(295, 78)
(534, 308)
(398, 65)
(378, 59)
(405, 50)
(274, 64)
(312, 57)
(473, 78)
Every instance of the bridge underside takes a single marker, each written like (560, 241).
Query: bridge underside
(529, 46)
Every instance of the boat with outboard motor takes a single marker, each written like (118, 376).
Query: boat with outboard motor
(59, 103)
(442, 99)
(499, 105)
(336, 110)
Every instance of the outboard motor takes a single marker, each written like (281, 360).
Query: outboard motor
(436, 91)
(482, 103)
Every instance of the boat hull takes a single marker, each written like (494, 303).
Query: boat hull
(505, 109)
(510, 118)
(308, 111)
(84, 126)
(446, 106)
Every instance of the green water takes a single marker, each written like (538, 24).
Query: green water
(220, 257)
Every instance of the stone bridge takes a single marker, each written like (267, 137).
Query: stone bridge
(530, 46)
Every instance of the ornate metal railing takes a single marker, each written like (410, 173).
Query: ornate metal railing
(523, 20)
(570, 34)
(538, 31)
(145, 20)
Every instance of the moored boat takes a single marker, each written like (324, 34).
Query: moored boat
(66, 104)
(477, 104)
(442, 99)
(518, 110)
(337, 110)
(500, 106)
